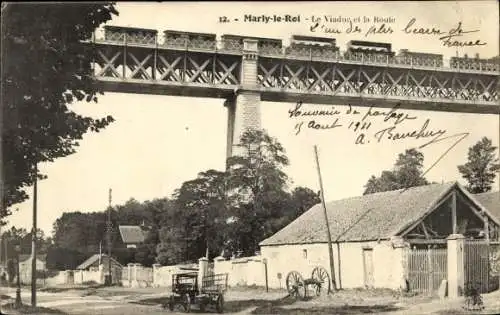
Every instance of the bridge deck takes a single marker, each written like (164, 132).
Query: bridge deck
(202, 67)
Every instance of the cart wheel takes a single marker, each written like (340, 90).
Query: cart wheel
(187, 303)
(320, 275)
(295, 285)
(220, 304)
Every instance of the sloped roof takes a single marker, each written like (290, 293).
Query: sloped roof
(92, 259)
(369, 217)
(131, 234)
(491, 201)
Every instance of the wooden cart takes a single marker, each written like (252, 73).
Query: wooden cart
(298, 287)
(186, 292)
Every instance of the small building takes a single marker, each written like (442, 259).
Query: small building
(25, 267)
(132, 235)
(95, 268)
(373, 235)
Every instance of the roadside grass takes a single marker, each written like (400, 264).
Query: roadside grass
(27, 309)
(59, 289)
(338, 310)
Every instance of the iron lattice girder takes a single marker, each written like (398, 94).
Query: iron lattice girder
(333, 78)
(123, 62)
(159, 70)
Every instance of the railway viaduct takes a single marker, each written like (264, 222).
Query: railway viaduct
(244, 71)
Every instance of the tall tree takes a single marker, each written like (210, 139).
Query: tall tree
(482, 166)
(201, 205)
(45, 66)
(407, 172)
(172, 248)
(255, 181)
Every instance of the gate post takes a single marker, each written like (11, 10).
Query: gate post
(202, 270)
(456, 255)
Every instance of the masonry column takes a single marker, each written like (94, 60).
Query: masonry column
(456, 281)
(244, 107)
(202, 270)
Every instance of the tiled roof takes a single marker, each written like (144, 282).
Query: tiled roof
(369, 217)
(491, 201)
(131, 234)
(92, 259)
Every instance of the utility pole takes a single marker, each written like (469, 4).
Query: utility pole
(109, 239)
(33, 242)
(330, 250)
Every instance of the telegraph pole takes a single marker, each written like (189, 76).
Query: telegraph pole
(330, 250)
(33, 242)
(109, 239)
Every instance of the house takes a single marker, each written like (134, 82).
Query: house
(95, 268)
(373, 234)
(25, 266)
(132, 235)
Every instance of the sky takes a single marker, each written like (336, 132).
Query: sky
(158, 142)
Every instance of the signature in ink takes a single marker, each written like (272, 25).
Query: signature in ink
(390, 134)
(450, 40)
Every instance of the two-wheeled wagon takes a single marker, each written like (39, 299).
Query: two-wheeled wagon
(298, 287)
(187, 292)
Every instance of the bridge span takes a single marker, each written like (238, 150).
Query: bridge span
(246, 70)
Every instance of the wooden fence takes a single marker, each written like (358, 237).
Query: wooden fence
(426, 268)
(477, 264)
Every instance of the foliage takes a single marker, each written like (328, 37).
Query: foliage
(217, 211)
(407, 172)
(172, 247)
(60, 258)
(87, 231)
(45, 67)
(473, 299)
(21, 237)
(256, 186)
(11, 270)
(481, 167)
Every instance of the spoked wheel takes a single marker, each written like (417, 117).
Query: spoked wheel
(170, 304)
(295, 285)
(220, 304)
(187, 303)
(322, 279)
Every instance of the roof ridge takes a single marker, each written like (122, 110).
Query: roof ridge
(349, 217)
(394, 191)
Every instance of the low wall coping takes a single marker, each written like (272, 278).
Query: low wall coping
(455, 237)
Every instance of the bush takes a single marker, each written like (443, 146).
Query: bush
(473, 299)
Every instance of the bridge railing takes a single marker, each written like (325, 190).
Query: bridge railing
(234, 45)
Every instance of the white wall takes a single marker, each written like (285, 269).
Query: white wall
(82, 276)
(387, 262)
(242, 271)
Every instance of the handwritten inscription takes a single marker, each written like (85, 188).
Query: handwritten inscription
(365, 123)
(457, 36)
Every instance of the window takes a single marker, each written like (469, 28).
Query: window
(304, 253)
